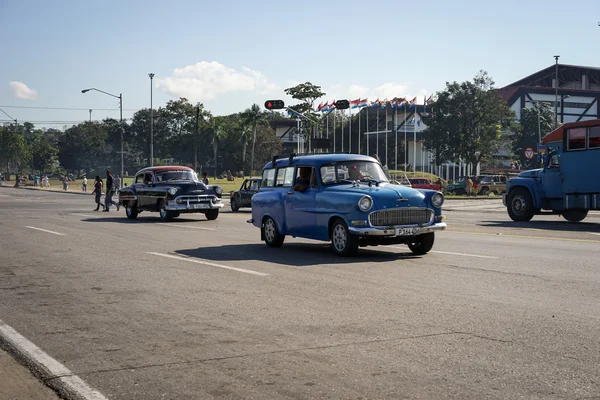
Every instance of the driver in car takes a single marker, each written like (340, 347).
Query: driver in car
(355, 174)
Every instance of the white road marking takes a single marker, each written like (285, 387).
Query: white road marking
(463, 254)
(193, 260)
(45, 230)
(175, 225)
(43, 362)
(593, 233)
(81, 215)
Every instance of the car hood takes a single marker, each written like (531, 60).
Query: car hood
(533, 173)
(386, 194)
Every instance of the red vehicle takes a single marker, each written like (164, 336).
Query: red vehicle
(424, 183)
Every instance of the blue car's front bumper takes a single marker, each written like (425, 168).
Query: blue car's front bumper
(393, 231)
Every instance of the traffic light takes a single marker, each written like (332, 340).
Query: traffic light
(274, 104)
(342, 104)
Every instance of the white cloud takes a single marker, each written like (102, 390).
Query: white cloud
(387, 90)
(206, 80)
(22, 91)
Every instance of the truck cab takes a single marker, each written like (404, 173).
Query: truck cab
(566, 184)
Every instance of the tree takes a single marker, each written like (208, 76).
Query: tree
(84, 146)
(535, 122)
(253, 116)
(307, 93)
(14, 152)
(43, 153)
(468, 121)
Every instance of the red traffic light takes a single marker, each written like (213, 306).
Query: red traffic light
(274, 104)
(342, 104)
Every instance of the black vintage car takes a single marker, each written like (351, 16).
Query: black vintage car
(243, 197)
(170, 190)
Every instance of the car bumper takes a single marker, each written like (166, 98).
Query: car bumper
(194, 207)
(392, 232)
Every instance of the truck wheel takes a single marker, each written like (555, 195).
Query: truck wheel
(575, 215)
(211, 215)
(131, 210)
(165, 215)
(234, 205)
(271, 234)
(342, 242)
(520, 205)
(422, 244)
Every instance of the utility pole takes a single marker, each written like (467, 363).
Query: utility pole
(151, 124)
(90, 115)
(556, 95)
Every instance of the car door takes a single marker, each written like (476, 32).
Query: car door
(253, 187)
(552, 179)
(244, 198)
(145, 191)
(300, 206)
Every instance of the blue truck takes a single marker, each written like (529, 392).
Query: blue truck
(568, 184)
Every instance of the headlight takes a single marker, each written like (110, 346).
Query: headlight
(172, 191)
(437, 200)
(218, 190)
(365, 203)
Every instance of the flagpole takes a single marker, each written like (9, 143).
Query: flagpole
(377, 133)
(359, 130)
(386, 137)
(367, 126)
(415, 142)
(334, 112)
(327, 124)
(405, 144)
(343, 131)
(396, 133)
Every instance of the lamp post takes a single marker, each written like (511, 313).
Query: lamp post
(556, 94)
(120, 97)
(151, 75)
(538, 108)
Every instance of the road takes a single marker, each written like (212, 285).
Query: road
(198, 309)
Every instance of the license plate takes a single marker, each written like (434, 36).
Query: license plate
(197, 206)
(407, 231)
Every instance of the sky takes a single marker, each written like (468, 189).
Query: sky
(231, 54)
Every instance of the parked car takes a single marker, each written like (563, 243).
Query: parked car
(170, 191)
(243, 197)
(346, 199)
(424, 183)
(492, 184)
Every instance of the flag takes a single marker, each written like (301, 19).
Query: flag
(383, 104)
(375, 103)
(393, 103)
(429, 100)
(363, 103)
(412, 121)
(320, 107)
(401, 102)
(411, 103)
(354, 103)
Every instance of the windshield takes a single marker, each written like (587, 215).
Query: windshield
(166, 176)
(350, 171)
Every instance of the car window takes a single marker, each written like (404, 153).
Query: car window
(576, 137)
(139, 178)
(268, 178)
(245, 185)
(254, 185)
(285, 176)
(594, 137)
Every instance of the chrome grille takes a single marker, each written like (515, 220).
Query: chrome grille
(186, 199)
(400, 216)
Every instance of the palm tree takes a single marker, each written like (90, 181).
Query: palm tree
(252, 117)
(219, 132)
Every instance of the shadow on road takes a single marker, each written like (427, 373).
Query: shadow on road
(292, 254)
(150, 219)
(564, 226)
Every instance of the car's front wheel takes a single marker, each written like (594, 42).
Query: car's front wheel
(131, 210)
(211, 215)
(422, 244)
(520, 205)
(342, 242)
(234, 205)
(271, 234)
(165, 215)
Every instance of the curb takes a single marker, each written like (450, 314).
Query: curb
(224, 195)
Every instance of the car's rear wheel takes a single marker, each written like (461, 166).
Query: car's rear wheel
(211, 215)
(422, 244)
(131, 210)
(485, 191)
(342, 242)
(234, 205)
(165, 215)
(519, 205)
(575, 215)
(271, 234)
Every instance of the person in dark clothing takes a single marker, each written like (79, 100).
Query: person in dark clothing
(98, 192)
(205, 178)
(110, 190)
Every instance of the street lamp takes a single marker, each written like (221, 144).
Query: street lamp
(120, 97)
(151, 124)
(556, 94)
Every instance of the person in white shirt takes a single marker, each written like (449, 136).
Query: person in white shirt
(84, 184)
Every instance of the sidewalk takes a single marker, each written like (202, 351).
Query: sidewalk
(18, 383)
(474, 205)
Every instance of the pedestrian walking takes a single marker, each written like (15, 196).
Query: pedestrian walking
(98, 192)
(205, 178)
(117, 183)
(469, 186)
(110, 190)
(84, 184)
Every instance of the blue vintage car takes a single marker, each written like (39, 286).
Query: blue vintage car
(346, 199)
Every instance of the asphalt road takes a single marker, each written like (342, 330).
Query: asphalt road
(199, 309)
